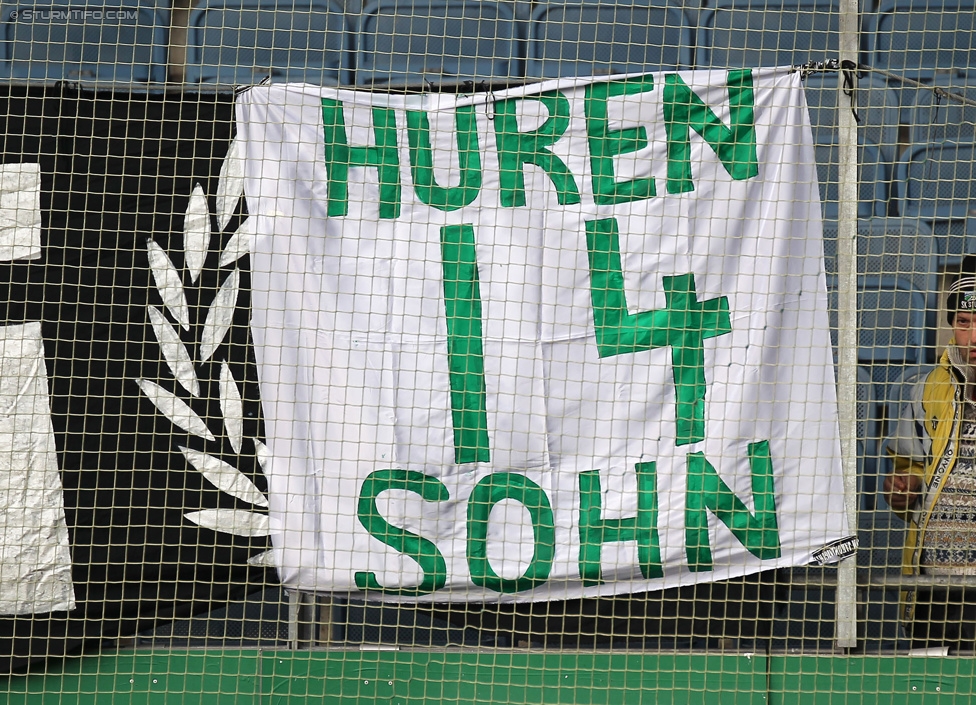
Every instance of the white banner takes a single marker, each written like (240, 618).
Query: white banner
(562, 340)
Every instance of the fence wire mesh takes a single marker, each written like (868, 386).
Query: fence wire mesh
(192, 440)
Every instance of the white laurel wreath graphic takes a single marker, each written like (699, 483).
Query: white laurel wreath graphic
(220, 313)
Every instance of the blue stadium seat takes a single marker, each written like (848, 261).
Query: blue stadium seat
(868, 432)
(902, 247)
(416, 42)
(934, 118)
(874, 177)
(878, 108)
(118, 42)
(891, 317)
(868, 438)
(239, 42)
(936, 183)
(882, 536)
(599, 38)
(891, 326)
(751, 33)
(805, 613)
(926, 40)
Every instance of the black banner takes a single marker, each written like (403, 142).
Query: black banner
(142, 292)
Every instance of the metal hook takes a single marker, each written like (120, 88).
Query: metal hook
(490, 105)
(939, 94)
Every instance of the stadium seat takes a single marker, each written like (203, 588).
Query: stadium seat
(806, 613)
(752, 33)
(891, 326)
(118, 42)
(926, 40)
(873, 176)
(421, 42)
(936, 183)
(934, 118)
(600, 38)
(805, 618)
(881, 536)
(892, 246)
(868, 434)
(877, 107)
(901, 247)
(239, 42)
(868, 438)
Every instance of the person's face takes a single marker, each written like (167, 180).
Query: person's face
(964, 329)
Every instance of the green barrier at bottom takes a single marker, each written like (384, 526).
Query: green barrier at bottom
(246, 677)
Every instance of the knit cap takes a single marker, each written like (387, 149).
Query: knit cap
(962, 291)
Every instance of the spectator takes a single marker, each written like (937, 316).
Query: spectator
(933, 485)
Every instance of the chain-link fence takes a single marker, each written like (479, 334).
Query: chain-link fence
(505, 351)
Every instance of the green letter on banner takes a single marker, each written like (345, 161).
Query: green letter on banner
(422, 161)
(735, 146)
(515, 149)
(594, 531)
(465, 354)
(491, 490)
(683, 324)
(605, 143)
(409, 544)
(758, 532)
(339, 156)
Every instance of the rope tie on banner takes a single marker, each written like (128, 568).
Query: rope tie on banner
(848, 69)
(816, 67)
(852, 70)
(246, 86)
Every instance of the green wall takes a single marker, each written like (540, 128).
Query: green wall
(473, 677)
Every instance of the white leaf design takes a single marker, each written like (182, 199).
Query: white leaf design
(263, 560)
(231, 407)
(196, 232)
(220, 315)
(174, 352)
(169, 284)
(232, 521)
(263, 454)
(175, 409)
(238, 245)
(224, 477)
(231, 183)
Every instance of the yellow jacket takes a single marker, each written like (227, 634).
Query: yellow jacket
(932, 418)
